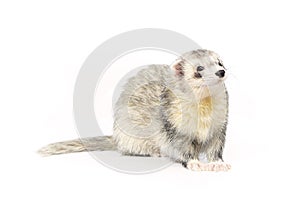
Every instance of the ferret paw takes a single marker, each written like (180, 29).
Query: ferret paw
(218, 166)
(196, 165)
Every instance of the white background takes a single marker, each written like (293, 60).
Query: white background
(43, 45)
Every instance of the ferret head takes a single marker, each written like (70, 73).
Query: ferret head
(201, 70)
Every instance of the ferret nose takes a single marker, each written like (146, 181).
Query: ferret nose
(220, 73)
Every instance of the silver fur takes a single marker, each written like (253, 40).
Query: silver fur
(173, 111)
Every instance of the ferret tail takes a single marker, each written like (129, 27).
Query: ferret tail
(100, 143)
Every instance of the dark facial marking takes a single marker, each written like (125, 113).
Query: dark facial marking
(197, 75)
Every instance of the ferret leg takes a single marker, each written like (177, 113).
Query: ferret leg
(214, 153)
(186, 153)
(193, 163)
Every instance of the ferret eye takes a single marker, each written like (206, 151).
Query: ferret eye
(221, 64)
(200, 68)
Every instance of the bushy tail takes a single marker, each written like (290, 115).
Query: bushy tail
(100, 143)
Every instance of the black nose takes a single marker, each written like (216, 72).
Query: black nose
(220, 73)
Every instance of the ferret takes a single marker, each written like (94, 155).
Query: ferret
(177, 111)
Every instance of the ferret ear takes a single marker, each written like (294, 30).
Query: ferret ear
(178, 67)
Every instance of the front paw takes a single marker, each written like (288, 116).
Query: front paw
(218, 166)
(196, 165)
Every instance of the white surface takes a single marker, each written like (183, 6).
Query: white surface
(43, 45)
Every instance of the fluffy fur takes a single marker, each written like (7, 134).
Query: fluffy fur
(177, 111)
